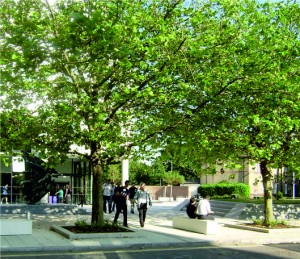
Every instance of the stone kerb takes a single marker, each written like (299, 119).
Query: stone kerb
(74, 236)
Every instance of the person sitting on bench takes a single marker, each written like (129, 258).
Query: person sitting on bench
(191, 208)
(203, 209)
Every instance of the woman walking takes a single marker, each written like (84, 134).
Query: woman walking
(142, 198)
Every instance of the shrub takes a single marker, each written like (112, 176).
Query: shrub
(222, 189)
(279, 195)
(271, 224)
(81, 223)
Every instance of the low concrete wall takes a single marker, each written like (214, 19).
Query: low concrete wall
(63, 209)
(10, 227)
(280, 211)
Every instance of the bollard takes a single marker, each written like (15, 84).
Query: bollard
(28, 215)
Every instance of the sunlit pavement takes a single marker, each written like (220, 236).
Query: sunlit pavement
(158, 232)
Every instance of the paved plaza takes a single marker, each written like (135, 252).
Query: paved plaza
(158, 232)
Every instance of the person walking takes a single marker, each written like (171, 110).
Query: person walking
(132, 191)
(121, 196)
(60, 194)
(203, 209)
(81, 199)
(117, 190)
(68, 192)
(142, 198)
(4, 193)
(107, 191)
(112, 202)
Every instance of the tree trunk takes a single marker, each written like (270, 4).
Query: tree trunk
(268, 188)
(97, 204)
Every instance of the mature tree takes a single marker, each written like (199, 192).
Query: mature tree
(92, 74)
(265, 118)
(258, 117)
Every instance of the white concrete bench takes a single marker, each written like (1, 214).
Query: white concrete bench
(207, 227)
(10, 227)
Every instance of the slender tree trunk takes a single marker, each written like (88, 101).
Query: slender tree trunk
(97, 205)
(268, 187)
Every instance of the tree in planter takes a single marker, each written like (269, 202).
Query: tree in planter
(101, 75)
(259, 116)
(173, 178)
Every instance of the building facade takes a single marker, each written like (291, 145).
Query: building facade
(249, 174)
(74, 174)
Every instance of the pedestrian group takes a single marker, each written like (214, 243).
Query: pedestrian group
(119, 195)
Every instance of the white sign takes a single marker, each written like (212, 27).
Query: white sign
(18, 164)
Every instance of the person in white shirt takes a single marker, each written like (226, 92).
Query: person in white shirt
(107, 191)
(203, 209)
(142, 198)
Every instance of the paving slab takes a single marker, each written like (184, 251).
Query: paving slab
(158, 232)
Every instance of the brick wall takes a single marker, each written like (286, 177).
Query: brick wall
(164, 191)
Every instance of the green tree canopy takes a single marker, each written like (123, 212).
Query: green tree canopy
(110, 75)
(151, 174)
(91, 74)
(256, 116)
(173, 178)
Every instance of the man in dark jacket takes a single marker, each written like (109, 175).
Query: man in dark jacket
(191, 208)
(132, 191)
(121, 195)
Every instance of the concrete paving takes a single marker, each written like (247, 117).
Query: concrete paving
(158, 232)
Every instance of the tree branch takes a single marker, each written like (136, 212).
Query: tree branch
(172, 7)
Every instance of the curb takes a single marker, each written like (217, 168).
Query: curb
(53, 249)
(72, 236)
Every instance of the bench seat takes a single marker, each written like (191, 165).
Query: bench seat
(207, 227)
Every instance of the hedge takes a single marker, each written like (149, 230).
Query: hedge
(221, 189)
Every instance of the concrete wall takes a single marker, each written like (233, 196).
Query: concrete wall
(281, 211)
